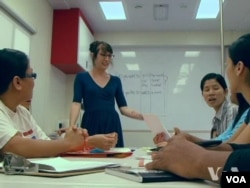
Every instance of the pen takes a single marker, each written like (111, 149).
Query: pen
(155, 149)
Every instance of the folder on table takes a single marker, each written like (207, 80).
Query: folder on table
(51, 167)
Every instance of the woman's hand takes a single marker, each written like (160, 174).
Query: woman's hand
(103, 141)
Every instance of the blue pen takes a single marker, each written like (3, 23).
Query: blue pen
(96, 150)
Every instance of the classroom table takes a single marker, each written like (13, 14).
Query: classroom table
(98, 180)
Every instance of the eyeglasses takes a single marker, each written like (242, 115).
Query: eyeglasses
(32, 75)
(110, 56)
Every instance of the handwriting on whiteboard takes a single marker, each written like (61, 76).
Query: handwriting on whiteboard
(146, 92)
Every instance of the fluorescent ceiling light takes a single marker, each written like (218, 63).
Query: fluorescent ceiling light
(128, 54)
(133, 67)
(192, 53)
(208, 9)
(113, 10)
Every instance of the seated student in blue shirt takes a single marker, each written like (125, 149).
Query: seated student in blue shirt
(234, 127)
(184, 158)
(228, 134)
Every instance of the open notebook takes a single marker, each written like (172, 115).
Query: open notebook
(54, 167)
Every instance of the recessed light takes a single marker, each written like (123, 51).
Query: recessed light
(113, 10)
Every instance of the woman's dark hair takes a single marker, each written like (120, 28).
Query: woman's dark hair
(218, 77)
(243, 106)
(240, 50)
(12, 63)
(95, 47)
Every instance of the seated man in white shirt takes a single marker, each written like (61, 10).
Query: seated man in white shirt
(19, 132)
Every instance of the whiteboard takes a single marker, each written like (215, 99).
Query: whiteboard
(167, 84)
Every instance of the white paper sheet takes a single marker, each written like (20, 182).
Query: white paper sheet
(155, 125)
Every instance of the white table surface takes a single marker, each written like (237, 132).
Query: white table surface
(93, 180)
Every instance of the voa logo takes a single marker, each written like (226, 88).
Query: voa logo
(230, 179)
(236, 179)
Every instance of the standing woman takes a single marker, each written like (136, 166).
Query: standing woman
(214, 91)
(98, 90)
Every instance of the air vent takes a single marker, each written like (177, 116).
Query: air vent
(160, 12)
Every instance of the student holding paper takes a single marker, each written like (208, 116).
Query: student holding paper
(234, 128)
(189, 160)
(19, 133)
(229, 134)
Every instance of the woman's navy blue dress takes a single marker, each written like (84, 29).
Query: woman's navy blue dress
(100, 116)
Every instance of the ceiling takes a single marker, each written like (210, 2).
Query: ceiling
(181, 14)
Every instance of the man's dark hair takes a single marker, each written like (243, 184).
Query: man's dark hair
(12, 63)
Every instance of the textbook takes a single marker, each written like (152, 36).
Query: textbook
(142, 175)
(53, 167)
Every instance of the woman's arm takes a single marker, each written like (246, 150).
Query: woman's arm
(243, 137)
(126, 111)
(74, 113)
(237, 134)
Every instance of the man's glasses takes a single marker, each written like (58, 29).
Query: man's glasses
(32, 75)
